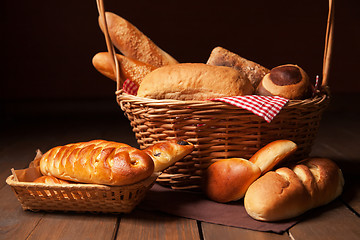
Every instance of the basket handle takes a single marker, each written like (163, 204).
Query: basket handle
(327, 50)
(328, 43)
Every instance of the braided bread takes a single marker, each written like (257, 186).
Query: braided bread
(290, 192)
(97, 161)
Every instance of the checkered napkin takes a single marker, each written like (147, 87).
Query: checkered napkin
(263, 106)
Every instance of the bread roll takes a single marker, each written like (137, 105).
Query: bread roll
(129, 68)
(133, 43)
(50, 180)
(193, 81)
(227, 180)
(165, 154)
(97, 161)
(288, 81)
(290, 192)
(273, 153)
(253, 71)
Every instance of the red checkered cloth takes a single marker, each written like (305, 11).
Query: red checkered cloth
(263, 106)
(130, 87)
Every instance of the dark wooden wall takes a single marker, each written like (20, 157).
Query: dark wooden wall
(47, 46)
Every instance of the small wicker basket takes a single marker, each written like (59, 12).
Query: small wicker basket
(80, 197)
(219, 130)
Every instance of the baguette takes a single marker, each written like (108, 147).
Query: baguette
(251, 70)
(193, 81)
(133, 43)
(290, 192)
(129, 68)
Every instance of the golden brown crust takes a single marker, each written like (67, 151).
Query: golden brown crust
(194, 81)
(251, 70)
(50, 180)
(131, 69)
(288, 81)
(227, 180)
(165, 154)
(97, 161)
(272, 154)
(289, 192)
(133, 43)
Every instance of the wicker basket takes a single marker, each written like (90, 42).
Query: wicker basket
(80, 197)
(219, 130)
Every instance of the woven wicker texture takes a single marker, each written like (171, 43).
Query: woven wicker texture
(218, 130)
(80, 197)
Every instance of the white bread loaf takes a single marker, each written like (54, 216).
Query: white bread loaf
(194, 81)
(290, 192)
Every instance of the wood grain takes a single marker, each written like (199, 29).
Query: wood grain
(148, 225)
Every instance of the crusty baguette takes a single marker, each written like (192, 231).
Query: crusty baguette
(223, 57)
(272, 154)
(97, 161)
(133, 43)
(165, 154)
(131, 69)
(289, 192)
(194, 81)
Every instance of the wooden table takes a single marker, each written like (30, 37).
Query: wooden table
(22, 133)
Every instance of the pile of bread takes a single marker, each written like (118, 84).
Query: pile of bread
(273, 195)
(159, 76)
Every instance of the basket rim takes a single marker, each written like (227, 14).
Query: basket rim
(82, 186)
(123, 96)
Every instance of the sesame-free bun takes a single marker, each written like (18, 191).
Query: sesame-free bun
(194, 81)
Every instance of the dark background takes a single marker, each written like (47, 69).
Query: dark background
(47, 46)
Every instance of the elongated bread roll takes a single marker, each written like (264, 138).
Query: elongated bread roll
(97, 161)
(273, 153)
(165, 154)
(253, 71)
(131, 69)
(133, 43)
(194, 81)
(289, 192)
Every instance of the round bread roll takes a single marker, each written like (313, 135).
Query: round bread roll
(194, 81)
(288, 81)
(228, 179)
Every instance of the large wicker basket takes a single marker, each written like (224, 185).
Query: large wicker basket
(219, 130)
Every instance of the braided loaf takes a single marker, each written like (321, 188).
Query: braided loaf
(289, 192)
(97, 161)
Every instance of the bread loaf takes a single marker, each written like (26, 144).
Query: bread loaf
(290, 192)
(129, 68)
(133, 43)
(165, 154)
(253, 71)
(50, 180)
(288, 81)
(273, 153)
(97, 161)
(228, 179)
(194, 81)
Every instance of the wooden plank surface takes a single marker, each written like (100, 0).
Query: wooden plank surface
(334, 221)
(149, 225)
